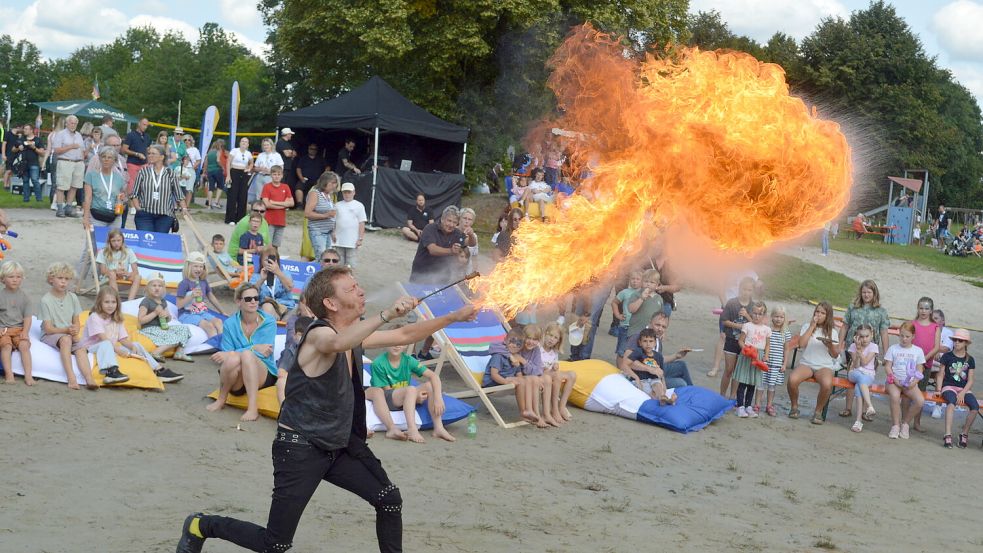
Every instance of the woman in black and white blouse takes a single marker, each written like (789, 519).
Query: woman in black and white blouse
(237, 183)
(156, 193)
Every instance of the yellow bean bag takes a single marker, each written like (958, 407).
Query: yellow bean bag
(267, 402)
(551, 210)
(589, 373)
(140, 373)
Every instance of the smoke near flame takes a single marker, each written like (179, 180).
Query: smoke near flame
(707, 140)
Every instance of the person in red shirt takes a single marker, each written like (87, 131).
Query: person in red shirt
(278, 199)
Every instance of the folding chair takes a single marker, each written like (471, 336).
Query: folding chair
(299, 271)
(156, 252)
(206, 248)
(464, 345)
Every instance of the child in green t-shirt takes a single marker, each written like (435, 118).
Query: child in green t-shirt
(391, 391)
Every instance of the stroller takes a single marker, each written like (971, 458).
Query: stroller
(960, 246)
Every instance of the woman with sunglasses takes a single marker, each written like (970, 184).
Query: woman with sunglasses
(276, 296)
(246, 359)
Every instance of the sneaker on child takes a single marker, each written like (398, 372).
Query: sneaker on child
(166, 375)
(113, 376)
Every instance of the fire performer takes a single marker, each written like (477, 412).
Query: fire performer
(322, 431)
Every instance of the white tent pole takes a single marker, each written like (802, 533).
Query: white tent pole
(375, 165)
(464, 157)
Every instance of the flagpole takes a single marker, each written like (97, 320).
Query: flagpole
(179, 113)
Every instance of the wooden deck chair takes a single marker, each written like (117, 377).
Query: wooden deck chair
(464, 345)
(156, 252)
(207, 250)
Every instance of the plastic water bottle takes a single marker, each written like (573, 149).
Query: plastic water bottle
(472, 425)
(164, 325)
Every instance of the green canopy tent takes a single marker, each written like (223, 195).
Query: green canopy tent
(86, 108)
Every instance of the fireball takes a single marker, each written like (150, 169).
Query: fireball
(709, 140)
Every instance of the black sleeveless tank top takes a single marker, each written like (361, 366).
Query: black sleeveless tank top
(328, 409)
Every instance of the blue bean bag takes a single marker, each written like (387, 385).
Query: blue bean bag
(601, 388)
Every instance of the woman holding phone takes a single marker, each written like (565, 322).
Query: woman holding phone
(276, 296)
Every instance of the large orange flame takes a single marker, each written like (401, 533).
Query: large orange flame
(710, 140)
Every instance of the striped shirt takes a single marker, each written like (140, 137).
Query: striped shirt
(776, 347)
(157, 193)
(324, 205)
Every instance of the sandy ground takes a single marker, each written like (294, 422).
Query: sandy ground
(118, 470)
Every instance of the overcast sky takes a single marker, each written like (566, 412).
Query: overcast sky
(949, 30)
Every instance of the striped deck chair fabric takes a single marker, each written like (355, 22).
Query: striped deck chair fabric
(470, 339)
(156, 252)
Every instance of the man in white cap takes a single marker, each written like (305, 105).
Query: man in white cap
(67, 146)
(285, 148)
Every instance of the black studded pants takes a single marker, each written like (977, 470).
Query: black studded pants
(298, 469)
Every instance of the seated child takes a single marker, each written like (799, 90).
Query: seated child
(15, 322)
(116, 262)
(289, 355)
(154, 319)
(106, 337)
(251, 241)
(563, 381)
(536, 382)
(191, 295)
(901, 363)
(505, 365)
(224, 259)
(958, 368)
(60, 310)
(391, 391)
(519, 187)
(645, 368)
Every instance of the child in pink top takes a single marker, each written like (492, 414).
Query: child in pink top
(863, 368)
(928, 337)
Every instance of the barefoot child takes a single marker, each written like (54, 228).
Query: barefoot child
(392, 391)
(155, 323)
(60, 326)
(539, 386)
(505, 366)
(106, 337)
(777, 356)
(15, 322)
(563, 381)
(116, 262)
(863, 370)
(901, 362)
(645, 368)
(958, 368)
(191, 295)
(755, 334)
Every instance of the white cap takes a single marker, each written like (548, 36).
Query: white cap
(348, 187)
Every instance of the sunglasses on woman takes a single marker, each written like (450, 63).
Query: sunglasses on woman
(330, 260)
(250, 299)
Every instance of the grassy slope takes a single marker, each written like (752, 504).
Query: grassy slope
(968, 267)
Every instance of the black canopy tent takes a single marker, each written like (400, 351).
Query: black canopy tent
(436, 148)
